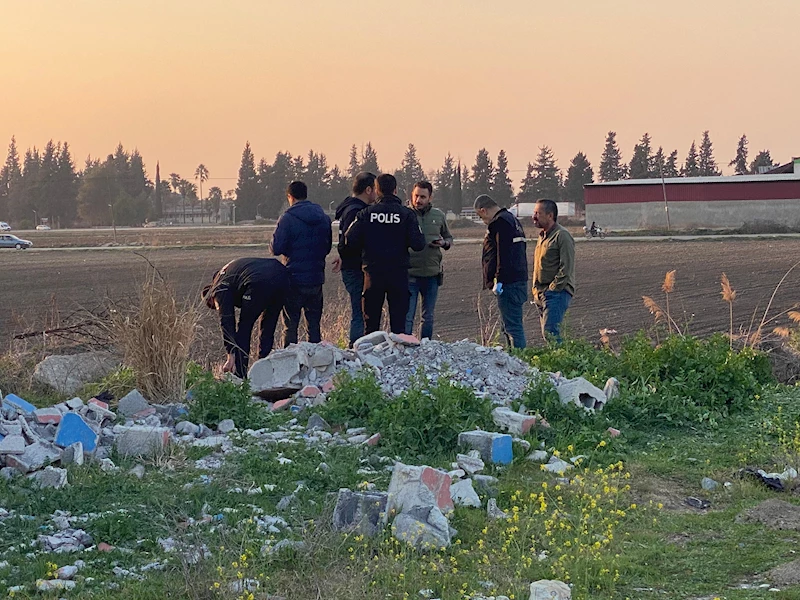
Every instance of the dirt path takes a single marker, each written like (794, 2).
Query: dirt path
(612, 278)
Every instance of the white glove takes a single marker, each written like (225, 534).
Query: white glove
(498, 288)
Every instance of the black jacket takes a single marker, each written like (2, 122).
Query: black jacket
(504, 248)
(303, 235)
(346, 212)
(383, 233)
(256, 278)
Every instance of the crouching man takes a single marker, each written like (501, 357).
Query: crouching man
(259, 288)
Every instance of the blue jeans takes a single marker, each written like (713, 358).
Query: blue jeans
(428, 287)
(510, 303)
(354, 284)
(552, 309)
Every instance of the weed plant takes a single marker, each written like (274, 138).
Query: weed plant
(212, 401)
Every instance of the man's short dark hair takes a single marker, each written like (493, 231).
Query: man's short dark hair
(484, 201)
(387, 184)
(425, 185)
(362, 182)
(298, 190)
(550, 207)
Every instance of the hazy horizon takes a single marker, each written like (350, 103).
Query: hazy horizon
(189, 83)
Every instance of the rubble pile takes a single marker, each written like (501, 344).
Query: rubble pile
(302, 374)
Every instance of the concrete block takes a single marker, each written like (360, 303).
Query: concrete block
(10, 427)
(100, 403)
(47, 415)
(424, 527)
(133, 403)
(470, 464)
(12, 444)
(99, 410)
(50, 477)
(513, 422)
(142, 441)
(322, 358)
(418, 486)
(371, 339)
(361, 512)
(310, 391)
(546, 589)
(74, 403)
(33, 458)
(282, 404)
(404, 340)
(463, 494)
(494, 447)
(74, 429)
(328, 386)
(580, 392)
(72, 455)
(16, 403)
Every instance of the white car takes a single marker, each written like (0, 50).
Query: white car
(42, 228)
(4, 226)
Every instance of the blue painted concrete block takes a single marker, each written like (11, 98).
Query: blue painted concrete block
(17, 403)
(74, 429)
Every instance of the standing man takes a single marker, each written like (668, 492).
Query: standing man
(383, 233)
(505, 265)
(348, 262)
(553, 269)
(425, 275)
(303, 235)
(257, 286)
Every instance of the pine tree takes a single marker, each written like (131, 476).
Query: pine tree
(611, 166)
(641, 165)
(354, 167)
(10, 175)
(482, 176)
(706, 163)
(276, 180)
(690, 166)
(501, 184)
(579, 174)
(410, 172)
(527, 191)
(444, 184)
(158, 203)
(247, 189)
(671, 165)
(763, 160)
(67, 182)
(369, 161)
(547, 176)
(317, 178)
(739, 163)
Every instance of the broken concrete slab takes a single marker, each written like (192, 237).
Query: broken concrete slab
(12, 444)
(424, 527)
(34, 457)
(580, 392)
(18, 404)
(418, 486)
(133, 403)
(142, 441)
(361, 512)
(74, 429)
(511, 421)
(494, 447)
(463, 494)
(72, 455)
(47, 415)
(69, 373)
(50, 477)
(546, 589)
(470, 464)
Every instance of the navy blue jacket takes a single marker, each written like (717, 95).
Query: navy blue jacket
(383, 233)
(346, 212)
(303, 235)
(504, 257)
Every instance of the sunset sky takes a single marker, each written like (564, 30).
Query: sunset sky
(187, 82)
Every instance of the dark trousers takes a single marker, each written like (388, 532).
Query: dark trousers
(354, 284)
(308, 299)
(263, 306)
(391, 286)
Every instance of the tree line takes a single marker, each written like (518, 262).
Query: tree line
(47, 184)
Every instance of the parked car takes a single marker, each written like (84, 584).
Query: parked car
(11, 241)
(4, 226)
(43, 228)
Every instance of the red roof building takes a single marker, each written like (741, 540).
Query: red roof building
(697, 202)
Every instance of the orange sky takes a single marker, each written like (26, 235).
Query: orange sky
(190, 81)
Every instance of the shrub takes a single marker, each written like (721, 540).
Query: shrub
(213, 401)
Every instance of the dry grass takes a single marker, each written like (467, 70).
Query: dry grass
(155, 336)
(728, 295)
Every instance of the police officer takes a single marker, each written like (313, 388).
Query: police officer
(257, 286)
(383, 233)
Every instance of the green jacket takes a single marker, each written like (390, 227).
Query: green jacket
(428, 261)
(554, 262)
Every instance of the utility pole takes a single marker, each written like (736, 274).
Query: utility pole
(664, 191)
(113, 224)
